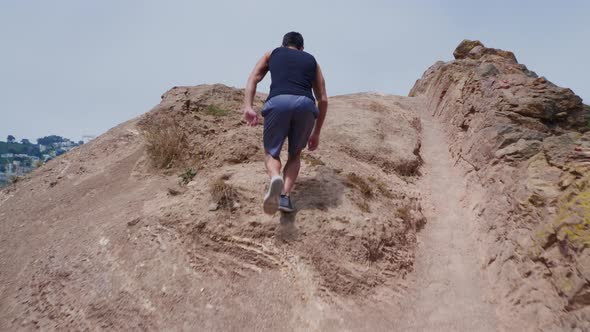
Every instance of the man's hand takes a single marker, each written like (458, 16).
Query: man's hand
(250, 116)
(314, 141)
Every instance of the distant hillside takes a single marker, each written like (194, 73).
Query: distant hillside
(18, 159)
(18, 148)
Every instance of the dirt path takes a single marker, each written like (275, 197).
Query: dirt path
(447, 294)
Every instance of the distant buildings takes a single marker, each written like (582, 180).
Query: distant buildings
(18, 159)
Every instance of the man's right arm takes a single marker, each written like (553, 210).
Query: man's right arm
(255, 77)
(319, 90)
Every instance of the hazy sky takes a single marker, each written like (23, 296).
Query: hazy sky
(76, 67)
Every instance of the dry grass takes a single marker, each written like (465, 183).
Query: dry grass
(363, 205)
(174, 192)
(408, 167)
(404, 213)
(312, 160)
(216, 110)
(374, 247)
(222, 193)
(377, 107)
(411, 220)
(382, 188)
(14, 179)
(166, 143)
(416, 124)
(355, 181)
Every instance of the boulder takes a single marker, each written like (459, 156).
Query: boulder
(465, 47)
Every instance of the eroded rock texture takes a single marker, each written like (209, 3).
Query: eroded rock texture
(526, 147)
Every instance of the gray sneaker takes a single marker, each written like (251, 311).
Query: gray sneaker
(271, 200)
(285, 204)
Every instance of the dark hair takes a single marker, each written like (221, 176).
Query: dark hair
(294, 39)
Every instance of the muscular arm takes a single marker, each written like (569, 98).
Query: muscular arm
(255, 77)
(319, 90)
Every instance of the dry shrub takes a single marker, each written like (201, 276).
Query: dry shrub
(174, 192)
(382, 188)
(222, 193)
(363, 205)
(166, 142)
(312, 160)
(402, 168)
(404, 213)
(377, 107)
(411, 214)
(416, 124)
(355, 181)
(14, 179)
(407, 167)
(187, 176)
(374, 247)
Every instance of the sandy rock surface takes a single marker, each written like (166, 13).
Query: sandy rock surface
(100, 238)
(525, 147)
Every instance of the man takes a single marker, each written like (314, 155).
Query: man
(289, 112)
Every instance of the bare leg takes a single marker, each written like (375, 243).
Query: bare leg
(273, 166)
(291, 172)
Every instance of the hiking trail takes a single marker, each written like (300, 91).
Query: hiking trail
(447, 291)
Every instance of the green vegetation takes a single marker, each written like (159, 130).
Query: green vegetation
(21, 158)
(17, 148)
(216, 110)
(51, 143)
(51, 139)
(187, 176)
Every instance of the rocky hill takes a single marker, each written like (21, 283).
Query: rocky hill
(525, 145)
(105, 236)
(157, 224)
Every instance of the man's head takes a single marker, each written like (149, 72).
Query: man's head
(293, 39)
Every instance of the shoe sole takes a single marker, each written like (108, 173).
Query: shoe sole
(271, 200)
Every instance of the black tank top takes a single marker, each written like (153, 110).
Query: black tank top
(292, 72)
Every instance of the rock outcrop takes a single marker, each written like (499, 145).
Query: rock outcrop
(525, 146)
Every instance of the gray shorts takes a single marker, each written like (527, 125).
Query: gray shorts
(288, 116)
